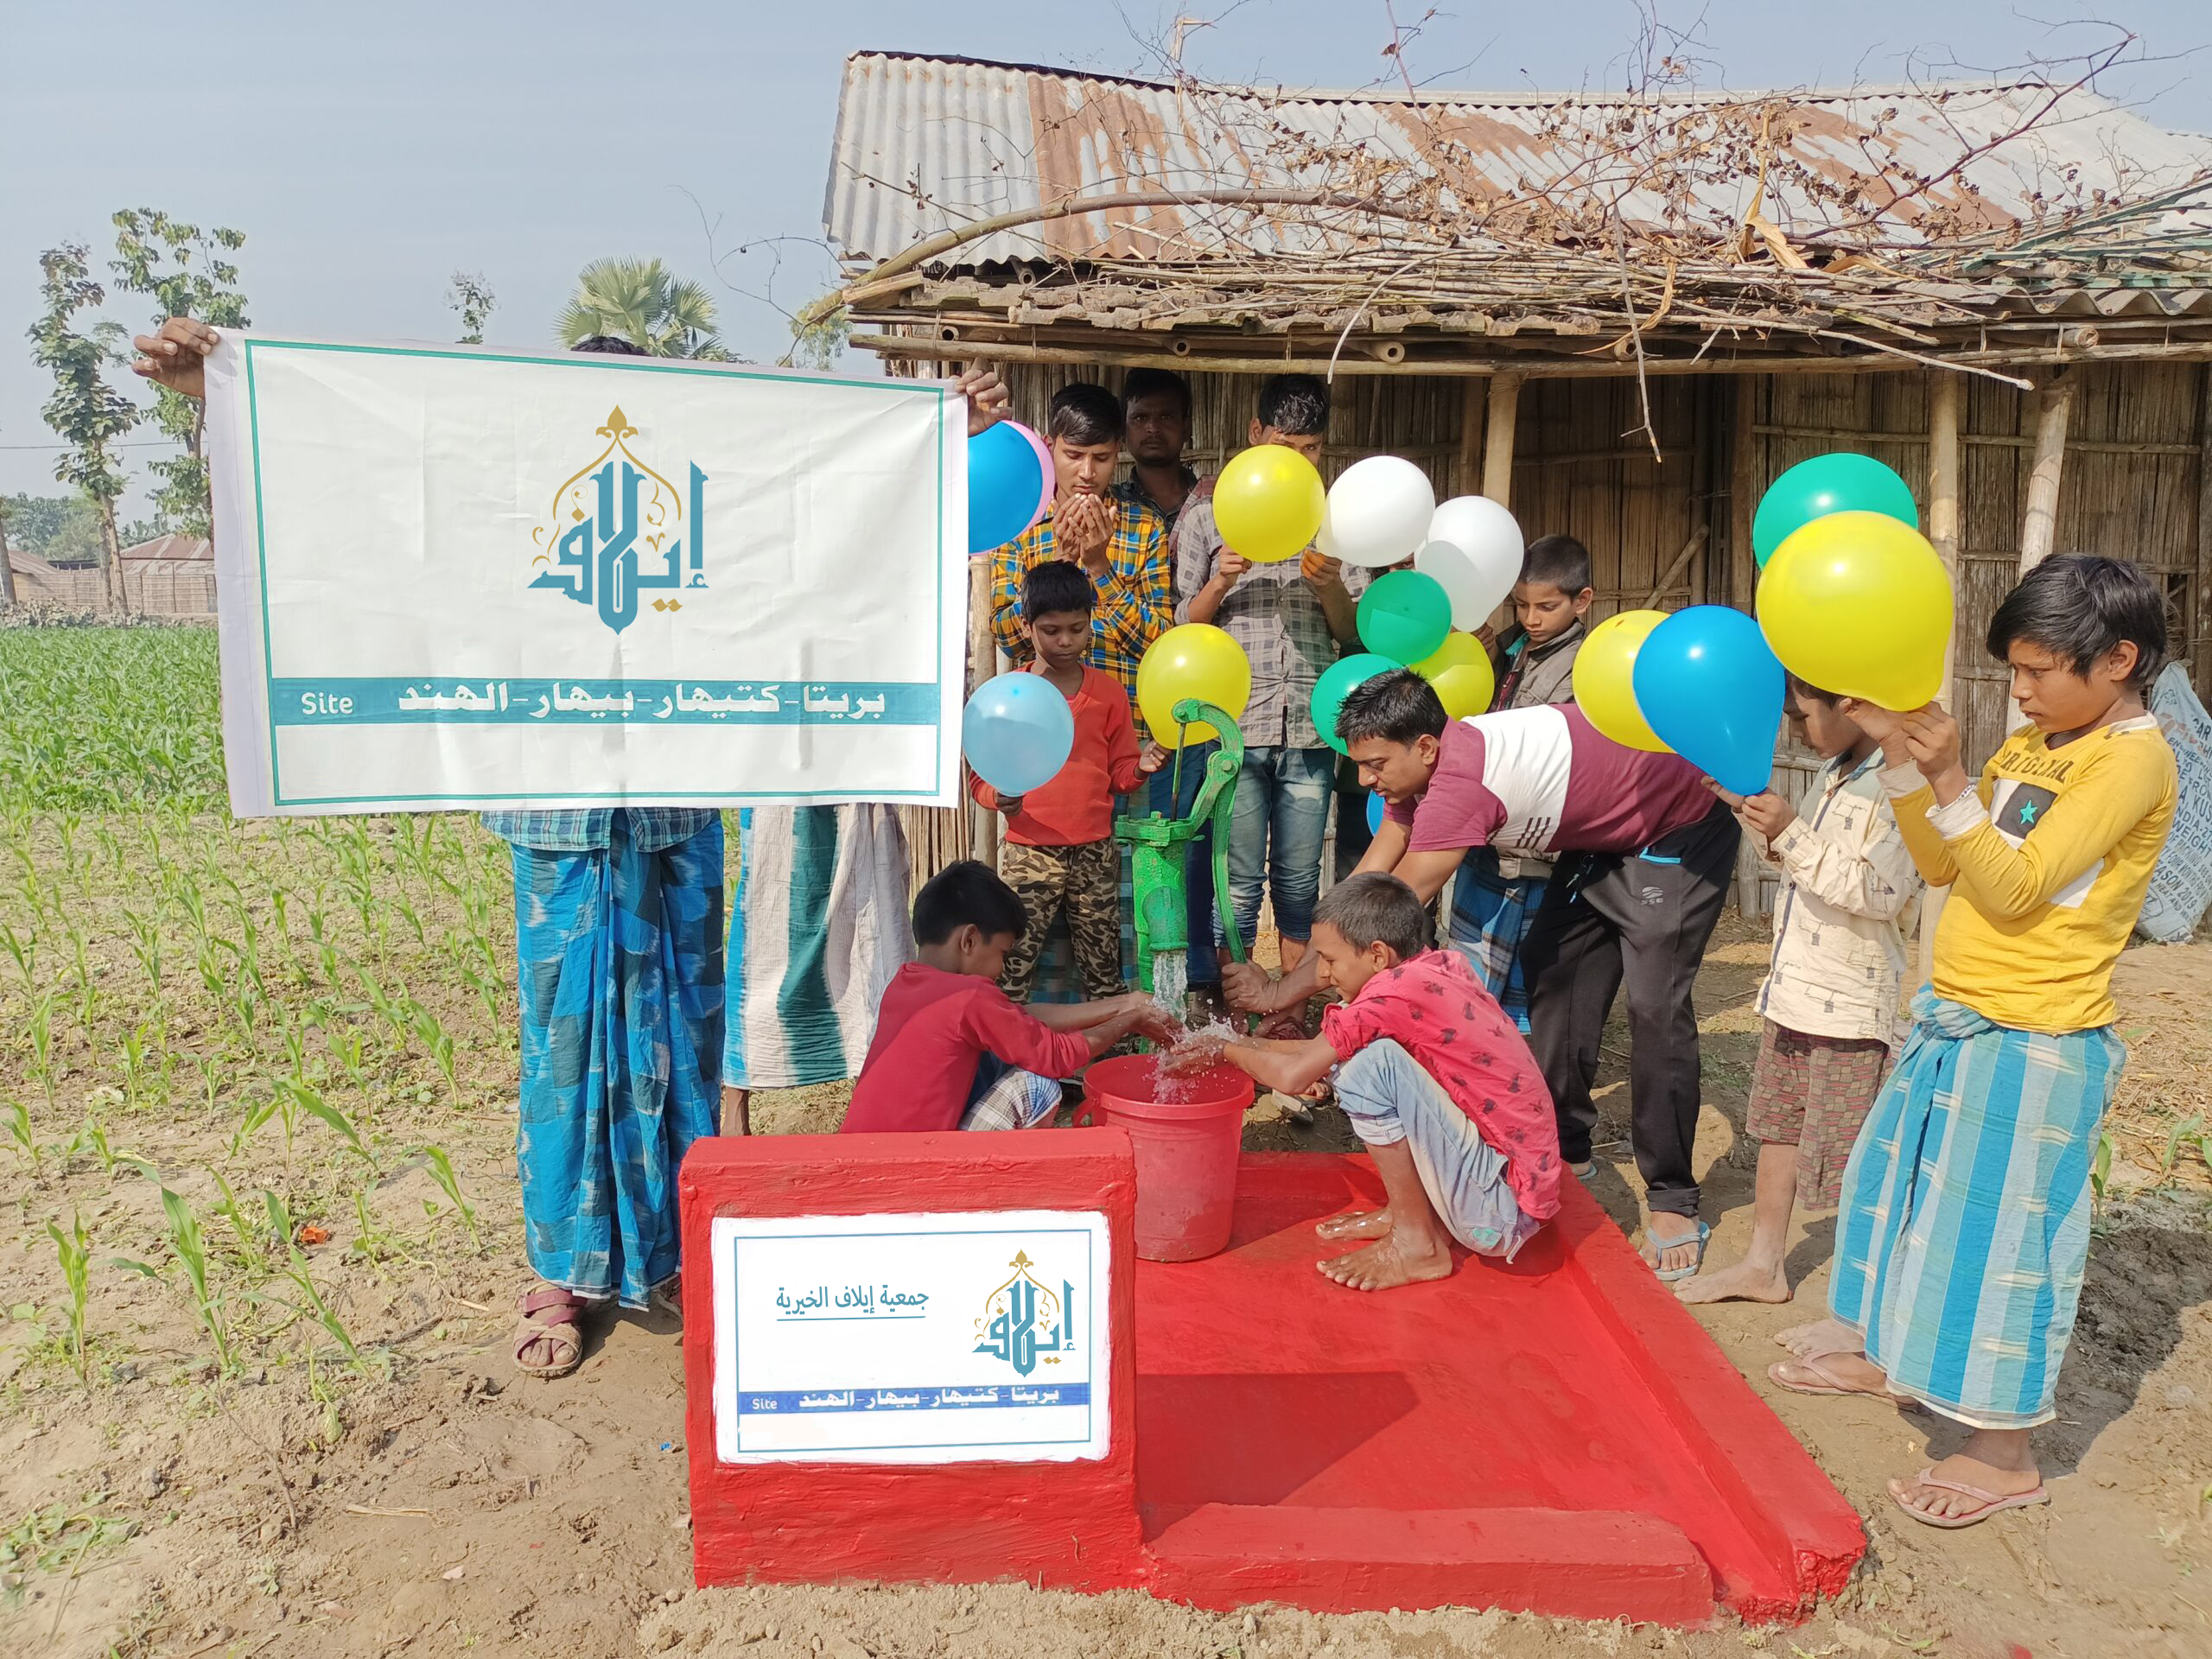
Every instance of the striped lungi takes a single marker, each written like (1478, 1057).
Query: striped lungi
(1965, 1228)
(818, 926)
(619, 953)
(1491, 917)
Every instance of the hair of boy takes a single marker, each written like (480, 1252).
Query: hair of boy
(1155, 382)
(614, 344)
(1559, 560)
(1296, 405)
(1398, 708)
(1056, 585)
(1377, 907)
(2077, 606)
(1807, 688)
(964, 891)
(1084, 413)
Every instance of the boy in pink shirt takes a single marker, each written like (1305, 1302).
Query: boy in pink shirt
(1436, 1081)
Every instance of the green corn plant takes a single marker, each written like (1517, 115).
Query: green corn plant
(439, 1041)
(350, 1047)
(74, 1250)
(191, 1250)
(39, 1027)
(19, 1130)
(249, 1247)
(2190, 1129)
(442, 1168)
(146, 945)
(22, 950)
(295, 1269)
(87, 996)
(2101, 1163)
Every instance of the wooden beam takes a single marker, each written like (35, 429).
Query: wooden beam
(1473, 396)
(1743, 492)
(982, 663)
(2201, 597)
(2039, 528)
(1946, 413)
(1503, 414)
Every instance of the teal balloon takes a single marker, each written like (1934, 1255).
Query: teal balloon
(1376, 809)
(1405, 616)
(1338, 682)
(1708, 685)
(1006, 483)
(1017, 733)
(1826, 484)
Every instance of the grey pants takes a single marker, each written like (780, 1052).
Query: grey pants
(1644, 918)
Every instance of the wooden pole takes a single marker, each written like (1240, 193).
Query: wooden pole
(983, 662)
(1743, 492)
(2201, 623)
(2040, 529)
(1474, 394)
(1946, 419)
(1504, 413)
(7, 567)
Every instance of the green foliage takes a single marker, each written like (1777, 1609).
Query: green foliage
(102, 718)
(471, 296)
(88, 413)
(62, 530)
(74, 1250)
(820, 345)
(182, 270)
(639, 301)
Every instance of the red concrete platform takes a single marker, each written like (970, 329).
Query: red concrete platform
(1557, 1435)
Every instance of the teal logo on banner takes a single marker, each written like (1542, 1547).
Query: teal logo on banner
(618, 530)
(1022, 1322)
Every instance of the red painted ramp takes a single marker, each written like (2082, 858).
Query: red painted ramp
(1558, 1435)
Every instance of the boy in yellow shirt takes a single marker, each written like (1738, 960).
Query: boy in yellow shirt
(1965, 1226)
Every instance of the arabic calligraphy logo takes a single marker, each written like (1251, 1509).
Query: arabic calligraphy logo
(1023, 1322)
(617, 528)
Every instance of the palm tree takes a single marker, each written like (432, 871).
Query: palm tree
(638, 300)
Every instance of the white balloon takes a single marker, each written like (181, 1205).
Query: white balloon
(1379, 511)
(1488, 539)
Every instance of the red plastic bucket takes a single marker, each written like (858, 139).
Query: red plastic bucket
(1186, 1148)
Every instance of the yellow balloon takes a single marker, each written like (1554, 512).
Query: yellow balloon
(1459, 671)
(1603, 668)
(1859, 604)
(1195, 660)
(1268, 502)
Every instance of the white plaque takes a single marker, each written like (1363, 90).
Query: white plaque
(974, 1336)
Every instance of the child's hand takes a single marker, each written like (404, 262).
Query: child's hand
(1194, 1052)
(1879, 723)
(1319, 569)
(1932, 737)
(1765, 812)
(1230, 568)
(1010, 804)
(1154, 758)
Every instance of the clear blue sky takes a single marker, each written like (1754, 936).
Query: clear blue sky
(366, 150)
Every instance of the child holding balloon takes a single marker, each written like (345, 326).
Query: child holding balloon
(1060, 854)
(1965, 1228)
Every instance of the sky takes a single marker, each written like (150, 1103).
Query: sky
(367, 151)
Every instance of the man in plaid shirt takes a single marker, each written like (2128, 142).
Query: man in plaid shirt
(1292, 618)
(1121, 545)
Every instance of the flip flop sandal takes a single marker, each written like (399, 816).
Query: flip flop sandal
(1991, 1503)
(549, 1321)
(1670, 1275)
(1829, 1383)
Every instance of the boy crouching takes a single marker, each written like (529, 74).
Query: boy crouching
(1436, 1081)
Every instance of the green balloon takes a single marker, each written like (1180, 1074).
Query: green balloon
(1405, 616)
(1826, 484)
(1338, 682)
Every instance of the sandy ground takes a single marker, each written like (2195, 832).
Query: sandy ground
(429, 1502)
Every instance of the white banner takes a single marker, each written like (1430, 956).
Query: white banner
(450, 578)
(953, 1337)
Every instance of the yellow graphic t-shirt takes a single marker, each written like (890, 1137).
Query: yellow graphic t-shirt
(2047, 861)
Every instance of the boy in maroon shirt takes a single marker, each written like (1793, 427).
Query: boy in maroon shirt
(1435, 1079)
(950, 1051)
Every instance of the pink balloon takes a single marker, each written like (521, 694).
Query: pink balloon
(1045, 461)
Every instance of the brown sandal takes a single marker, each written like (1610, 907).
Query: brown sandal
(548, 1324)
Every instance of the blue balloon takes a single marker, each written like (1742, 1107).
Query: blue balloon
(1376, 806)
(1016, 731)
(1711, 689)
(1006, 483)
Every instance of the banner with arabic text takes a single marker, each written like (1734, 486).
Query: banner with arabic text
(456, 578)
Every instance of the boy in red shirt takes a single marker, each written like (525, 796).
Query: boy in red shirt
(950, 1051)
(1436, 1081)
(1059, 850)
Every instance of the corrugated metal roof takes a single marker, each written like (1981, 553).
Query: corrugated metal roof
(926, 144)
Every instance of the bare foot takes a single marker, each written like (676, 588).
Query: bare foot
(1933, 1495)
(1821, 1336)
(1387, 1264)
(1361, 1224)
(1742, 1283)
(1831, 1374)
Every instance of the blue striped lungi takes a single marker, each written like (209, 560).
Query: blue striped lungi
(619, 954)
(819, 925)
(1965, 1228)
(1491, 917)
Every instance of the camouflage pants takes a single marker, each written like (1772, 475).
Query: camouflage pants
(1085, 880)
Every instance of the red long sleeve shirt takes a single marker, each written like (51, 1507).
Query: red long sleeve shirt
(1077, 804)
(931, 1029)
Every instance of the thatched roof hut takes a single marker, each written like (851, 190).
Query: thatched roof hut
(1622, 315)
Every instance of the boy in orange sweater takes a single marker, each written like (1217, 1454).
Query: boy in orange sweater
(1059, 851)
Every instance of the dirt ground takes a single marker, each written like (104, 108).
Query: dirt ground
(427, 1501)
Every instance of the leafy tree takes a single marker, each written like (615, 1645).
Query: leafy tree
(86, 412)
(41, 523)
(183, 269)
(638, 300)
(820, 345)
(472, 296)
